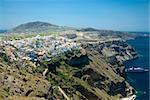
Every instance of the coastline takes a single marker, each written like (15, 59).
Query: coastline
(141, 60)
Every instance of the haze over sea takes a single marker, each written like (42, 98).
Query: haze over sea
(140, 81)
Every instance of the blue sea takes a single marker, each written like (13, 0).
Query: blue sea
(140, 81)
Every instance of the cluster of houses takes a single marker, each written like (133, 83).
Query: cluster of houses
(37, 47)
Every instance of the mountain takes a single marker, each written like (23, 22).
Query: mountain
(44, 27)
(36, 27)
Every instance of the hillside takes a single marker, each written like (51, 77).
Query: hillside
(57, 68)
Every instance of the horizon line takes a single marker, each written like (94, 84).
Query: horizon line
(82, 27)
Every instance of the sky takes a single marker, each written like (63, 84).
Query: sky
(123, 15)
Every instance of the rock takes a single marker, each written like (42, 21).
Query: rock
(117, 88)
(79, 61)
(71, 36)
(45, 71)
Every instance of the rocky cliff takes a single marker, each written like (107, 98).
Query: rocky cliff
(79, 75)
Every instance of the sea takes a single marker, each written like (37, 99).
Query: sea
(140, 81)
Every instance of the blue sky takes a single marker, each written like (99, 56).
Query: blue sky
(125, 15)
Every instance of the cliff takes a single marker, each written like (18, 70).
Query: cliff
(77, 75)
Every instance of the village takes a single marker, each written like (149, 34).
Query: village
(39, 47)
